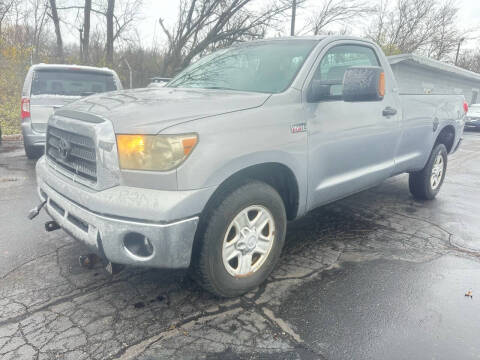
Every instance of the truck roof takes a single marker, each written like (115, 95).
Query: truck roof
(43, 66)
(317, 38)
(313, 37)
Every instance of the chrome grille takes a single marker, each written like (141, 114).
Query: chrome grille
(73, 152)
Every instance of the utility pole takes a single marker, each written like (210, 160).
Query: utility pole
(294, 14)
(458, 50)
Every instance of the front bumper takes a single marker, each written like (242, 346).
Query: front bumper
(105, 235)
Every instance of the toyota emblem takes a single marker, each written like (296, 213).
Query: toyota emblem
(64, 148)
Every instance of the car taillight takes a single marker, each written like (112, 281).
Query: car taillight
(25, 108)
(465, 107)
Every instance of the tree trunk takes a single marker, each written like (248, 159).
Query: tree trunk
(56, 22)
(109, 46)
(80, 31)
(86, 30)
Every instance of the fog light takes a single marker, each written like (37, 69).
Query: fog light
(138, 245)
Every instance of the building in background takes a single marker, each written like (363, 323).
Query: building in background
(422, 75)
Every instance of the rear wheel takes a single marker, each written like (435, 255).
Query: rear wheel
(242, 240)
(426, 183)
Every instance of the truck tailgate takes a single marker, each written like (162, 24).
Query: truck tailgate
(42, 107)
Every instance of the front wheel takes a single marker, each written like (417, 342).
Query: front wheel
(242, 240)
(426, 183)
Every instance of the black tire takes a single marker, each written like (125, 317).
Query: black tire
(207, 263)
(33, 152)
(419, 182)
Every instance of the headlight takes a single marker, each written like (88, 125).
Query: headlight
(154, 152)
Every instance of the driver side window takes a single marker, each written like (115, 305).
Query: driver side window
(332, 67)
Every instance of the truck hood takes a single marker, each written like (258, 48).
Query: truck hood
(149, 111)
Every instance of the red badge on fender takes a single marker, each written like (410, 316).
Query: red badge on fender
(296, 128)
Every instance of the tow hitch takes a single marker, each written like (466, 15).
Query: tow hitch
(32, 214)
(113, 268)
(88, 261)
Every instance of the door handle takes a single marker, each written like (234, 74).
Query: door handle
(389, 111)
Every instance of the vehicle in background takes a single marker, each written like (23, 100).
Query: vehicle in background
(158, 82)
(51, 86)
(472, 119)
(206, 171)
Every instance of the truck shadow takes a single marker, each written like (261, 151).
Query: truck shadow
(344, 221)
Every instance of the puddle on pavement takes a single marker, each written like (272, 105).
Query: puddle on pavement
(390, 309)
(331, 221)
(294, 354)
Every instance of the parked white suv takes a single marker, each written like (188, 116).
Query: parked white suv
(50, 86)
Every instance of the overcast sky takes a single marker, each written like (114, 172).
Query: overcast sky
(149, 31)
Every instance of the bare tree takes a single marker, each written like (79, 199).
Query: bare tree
(470, 60)
(404, 28)
(332, 12)
(120, 18)
(447, 35)
(39, 11)
(56, 22)
(208, 24)
(5, 9)
(423, 26)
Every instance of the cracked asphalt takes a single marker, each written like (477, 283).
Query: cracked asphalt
(376, 275)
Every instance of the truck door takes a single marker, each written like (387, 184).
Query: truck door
(351, 144)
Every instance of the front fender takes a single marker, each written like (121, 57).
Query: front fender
(232, 142)
(225, 170)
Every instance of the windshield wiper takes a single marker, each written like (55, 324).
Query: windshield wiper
(219, 88)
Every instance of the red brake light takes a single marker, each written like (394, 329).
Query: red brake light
(25, 108)
(465, 107)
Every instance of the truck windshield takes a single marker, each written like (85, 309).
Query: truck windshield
(71, 82)
(267, 67)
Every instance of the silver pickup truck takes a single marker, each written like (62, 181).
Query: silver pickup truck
(205, 172)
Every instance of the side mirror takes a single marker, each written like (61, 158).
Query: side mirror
(320, 90)
(364, 84)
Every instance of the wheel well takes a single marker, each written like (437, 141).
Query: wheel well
(279, 176)
(446, 137)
